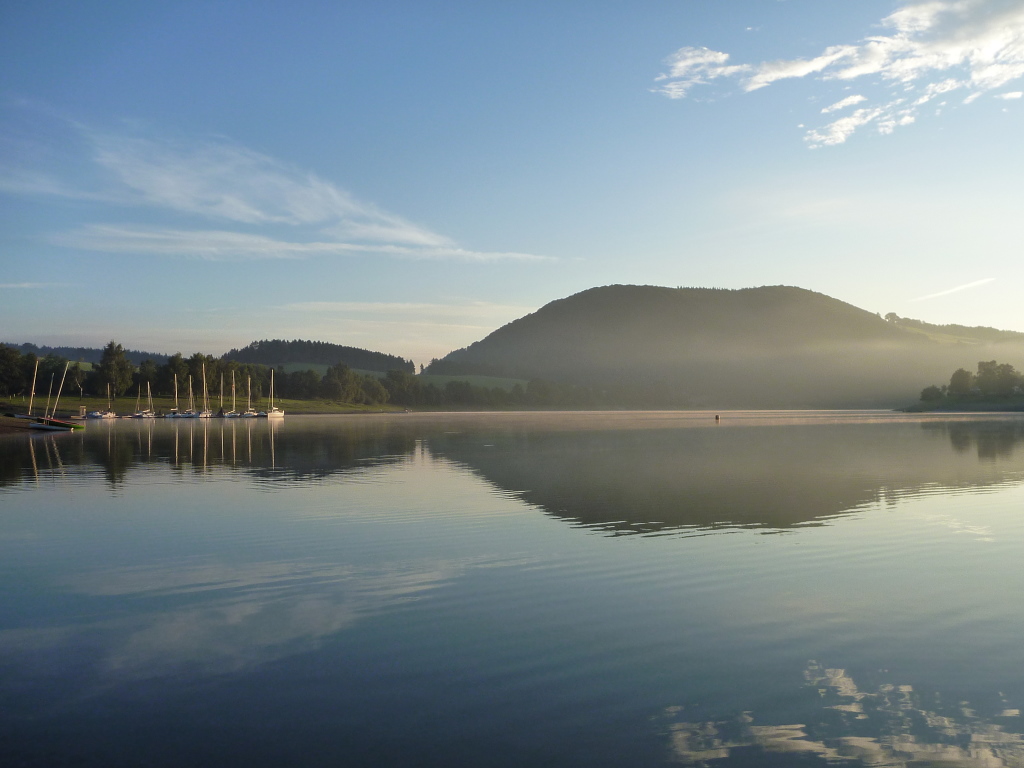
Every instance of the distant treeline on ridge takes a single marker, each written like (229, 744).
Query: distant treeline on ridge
(86, 354)
(281, 352)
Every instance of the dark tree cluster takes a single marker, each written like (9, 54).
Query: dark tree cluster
(405, 389)
(992, 380)
(279, 352)
(115, 369)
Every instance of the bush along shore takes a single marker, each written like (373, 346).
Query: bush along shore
(995, 387)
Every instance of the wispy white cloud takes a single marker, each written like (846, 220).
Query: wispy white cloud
(261, 208)
(931, 48)
(1010, 95)
(964, 287)
(222, 181)
(849, 101)
(227, 245)
(390, 307)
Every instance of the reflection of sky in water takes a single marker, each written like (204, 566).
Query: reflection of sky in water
(424, 566)
(234, 617)
(892, 725)
(204, 604)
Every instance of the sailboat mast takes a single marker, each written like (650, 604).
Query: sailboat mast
(32, 396)
(233, 391)
(222, 390)
(61, 387)
(175, 393)
(46, 411)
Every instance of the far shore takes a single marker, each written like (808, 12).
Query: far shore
(946, 405)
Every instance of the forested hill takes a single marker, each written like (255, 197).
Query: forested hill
(280, 352)
(774, 346)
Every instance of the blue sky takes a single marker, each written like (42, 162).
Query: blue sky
(408, 176)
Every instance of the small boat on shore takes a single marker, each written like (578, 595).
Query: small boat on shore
(107, 414)
(47, 422)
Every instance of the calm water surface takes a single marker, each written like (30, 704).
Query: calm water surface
(515, 589)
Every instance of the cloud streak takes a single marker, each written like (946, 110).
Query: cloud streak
(227, 245)
(964, 287)
(259, 207)
(930, 49)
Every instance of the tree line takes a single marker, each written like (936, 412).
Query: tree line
(992, 380)
(338, 384)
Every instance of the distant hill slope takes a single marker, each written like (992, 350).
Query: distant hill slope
(775, 346)
(280, 352)
(953, 334)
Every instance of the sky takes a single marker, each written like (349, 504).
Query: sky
(409, 176)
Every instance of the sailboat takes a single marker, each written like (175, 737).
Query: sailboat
(232, 414)
(148, 413)
(272, 412)
(174, 413)
(107, 414)
(206, 413)
(249, 412)
(191, 413)
(47, 422)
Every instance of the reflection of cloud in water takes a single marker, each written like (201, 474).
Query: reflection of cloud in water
(291, 610)
(887, 727)
(227, 617)
(955, 524)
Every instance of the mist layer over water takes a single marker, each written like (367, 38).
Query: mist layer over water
(509, 589)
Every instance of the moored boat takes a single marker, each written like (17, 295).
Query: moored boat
(272, 412)
(46, 422)
(232, 414)
(107, 414)
(249, 412)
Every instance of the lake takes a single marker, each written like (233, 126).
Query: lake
(582, 589)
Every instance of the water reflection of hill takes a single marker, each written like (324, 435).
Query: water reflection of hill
(654, 480)
(624, 474)
(258, 448)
